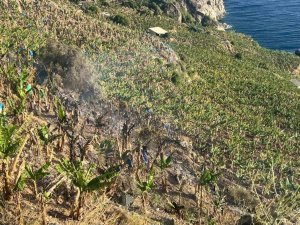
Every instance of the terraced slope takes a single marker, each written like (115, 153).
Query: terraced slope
(223, 104)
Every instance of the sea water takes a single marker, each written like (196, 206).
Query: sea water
(274, 24)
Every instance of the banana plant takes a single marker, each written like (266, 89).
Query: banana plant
(19, 187)
(146, 186)
(82, 179)
(42, 96)
(36, 175)
(126, 132)
(47, 138)
(60, 111)
(11, 148)
(164, 163)
(206, 178)
(3, 119)
(17, 80)
(17, 103)
(219, 203)
(62, 119)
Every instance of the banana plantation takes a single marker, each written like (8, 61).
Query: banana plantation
(102, 122)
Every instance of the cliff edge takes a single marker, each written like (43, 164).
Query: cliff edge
(212, 8)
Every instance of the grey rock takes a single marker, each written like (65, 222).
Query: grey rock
(127, 200)
(297, 52)
(168, 221)
(214, 9)
(246, 220)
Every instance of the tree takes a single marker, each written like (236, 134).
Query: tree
(81, 179)
(164, 163)
(47, 138)
(19, 187)
(146, 186)
(62, 119)
(11, 147)
(120, 19)
(36, 175)
(206, 178)
(17, 102)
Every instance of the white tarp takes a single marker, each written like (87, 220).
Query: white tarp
(296, 82)
(158, 30)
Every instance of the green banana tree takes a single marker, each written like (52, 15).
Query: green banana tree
(206, 178)
(60, 111)
(164, 163)
(82, 179)
(10, 150)
(47, 138)
(36, 175)
(3, 119)
(146, 186)
(17, 103)
(62, 119)
(19, 187)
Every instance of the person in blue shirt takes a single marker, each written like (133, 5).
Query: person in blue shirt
(129, 162)
(1, 107)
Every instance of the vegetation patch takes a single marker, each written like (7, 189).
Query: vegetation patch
(120, 19)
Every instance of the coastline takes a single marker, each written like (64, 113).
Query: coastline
(274, 26)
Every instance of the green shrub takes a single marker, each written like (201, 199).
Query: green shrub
(183, 56)
(194, 28)
(106, 146)
(90, 8)
(157, 10)
(131, 4)
(207, 21)
(120, 19)
(103, 3)
(176, 78)
(187, 18)
(75, 1)
(238, 55)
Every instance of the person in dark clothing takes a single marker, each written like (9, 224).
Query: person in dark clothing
(145, 156)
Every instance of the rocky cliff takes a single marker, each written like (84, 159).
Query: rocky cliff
(214, 9)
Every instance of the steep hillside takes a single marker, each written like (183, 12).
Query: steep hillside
(106, 123)
(213, 9)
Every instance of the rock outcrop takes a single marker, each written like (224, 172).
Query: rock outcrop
(214, 9)
(207, 11)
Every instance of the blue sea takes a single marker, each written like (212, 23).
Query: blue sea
(274, 24)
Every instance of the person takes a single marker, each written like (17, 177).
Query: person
(88, 120)
(145, 155)
(1, 108)
(148, 116)
(167, 127)
(129, 162)
(76, 113)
